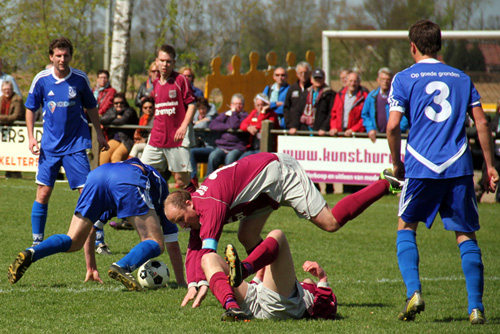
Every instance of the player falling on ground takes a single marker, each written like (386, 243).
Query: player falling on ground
(131, 190)
(274, 292)
(249, 190)
(438, 165)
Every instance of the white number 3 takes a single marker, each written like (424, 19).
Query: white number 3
(440, 100)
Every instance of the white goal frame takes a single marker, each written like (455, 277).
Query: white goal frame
(391, 34)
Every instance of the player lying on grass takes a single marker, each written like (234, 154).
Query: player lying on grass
(249, 190)
(131, 190)
(274, 292)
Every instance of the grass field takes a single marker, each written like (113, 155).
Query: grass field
(360, 261)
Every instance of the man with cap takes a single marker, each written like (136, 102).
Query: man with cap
(312, 110)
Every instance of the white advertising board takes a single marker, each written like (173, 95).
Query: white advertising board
(14, 152)
(339, 160)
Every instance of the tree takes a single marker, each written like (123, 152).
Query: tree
(120, 49)
(27, 27)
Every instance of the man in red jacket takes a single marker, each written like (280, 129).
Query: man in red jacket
(347, 107)
(103, 92)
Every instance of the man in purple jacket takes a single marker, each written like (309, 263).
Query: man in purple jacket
(230, 145)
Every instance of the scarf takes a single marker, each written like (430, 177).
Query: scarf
(309, 114)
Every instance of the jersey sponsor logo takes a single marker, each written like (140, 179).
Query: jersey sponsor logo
(62, 104)
(167, 111)
(295, 93)
(71, 92)
(52, 106)
(172, 94)
(51, 93)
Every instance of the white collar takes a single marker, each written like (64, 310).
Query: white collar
(429, 61)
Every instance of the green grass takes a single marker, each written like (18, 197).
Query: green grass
(360, 261)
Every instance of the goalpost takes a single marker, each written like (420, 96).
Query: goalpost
(392, 34)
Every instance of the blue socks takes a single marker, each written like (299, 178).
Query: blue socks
(408, 260)
(138, 255)
(472, 266)
(57, 243)
(38, 220)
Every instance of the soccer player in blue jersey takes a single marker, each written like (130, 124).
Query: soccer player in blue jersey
(438, 165)
(130, 190)
(63, 92)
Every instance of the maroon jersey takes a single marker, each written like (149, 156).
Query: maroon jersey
(229, 194)
(171, 101)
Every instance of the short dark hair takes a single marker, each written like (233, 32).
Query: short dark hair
(122, 96)
(61, 43)
(168, 49)
(426, 35)
(202, 101)
(149, 99)
(178, 199)
(103, 71)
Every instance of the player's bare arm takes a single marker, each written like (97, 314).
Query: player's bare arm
(94, 118)
(394, 140)
(188, 118)
(30, 125)
(486, 141)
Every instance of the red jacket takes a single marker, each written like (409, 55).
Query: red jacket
(255, 119)
(354, 122)
(105, 99)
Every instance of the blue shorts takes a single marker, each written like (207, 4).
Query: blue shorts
(454, 199)
(76, 166)
(121, 188)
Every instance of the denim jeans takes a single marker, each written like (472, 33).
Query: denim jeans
(199, 154)
(219, 157)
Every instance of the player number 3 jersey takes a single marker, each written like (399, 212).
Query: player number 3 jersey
(435, 98)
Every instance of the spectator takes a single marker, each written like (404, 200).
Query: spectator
(346, 110)
(141, 135)
(6, 77)
(103, 92)
(205, 141)
(146, 87)
(312, 110)
(253, 123)
(120, 140)
(189, 74)
(375, 111)
(343, 77)
(12, 107)
(303, 71)
(277, 94)
(230, 145)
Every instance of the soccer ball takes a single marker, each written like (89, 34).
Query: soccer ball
(153, 274)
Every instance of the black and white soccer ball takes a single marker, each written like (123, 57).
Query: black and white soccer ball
(153, 274)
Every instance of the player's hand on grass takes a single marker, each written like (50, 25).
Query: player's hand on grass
(195, 294)
(314, 269)
(93, 275)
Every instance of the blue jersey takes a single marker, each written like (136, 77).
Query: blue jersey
(435, 98)
(65, 126)
(122, 190)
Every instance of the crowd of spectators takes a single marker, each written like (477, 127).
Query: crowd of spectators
(309, 104)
